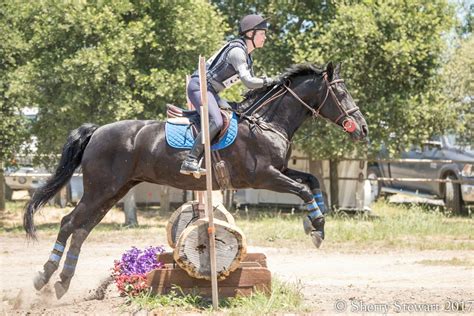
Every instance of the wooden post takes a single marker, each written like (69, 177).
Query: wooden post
(207, 151)
(199, 194)
(2, 188)
(334, 184)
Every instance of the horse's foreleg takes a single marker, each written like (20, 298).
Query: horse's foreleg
(314, 222)
(312, 182)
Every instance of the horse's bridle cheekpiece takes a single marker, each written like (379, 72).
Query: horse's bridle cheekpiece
(349, 124)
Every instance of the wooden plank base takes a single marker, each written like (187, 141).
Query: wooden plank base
(251, 275)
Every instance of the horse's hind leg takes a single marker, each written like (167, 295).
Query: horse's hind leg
(78, 238)
(42, 278)
(91, 213)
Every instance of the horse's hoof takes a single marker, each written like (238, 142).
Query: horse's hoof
(307, 225)
(39, 281)
(59, 289)
(316, 238)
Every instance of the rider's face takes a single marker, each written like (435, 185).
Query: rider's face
(260, 37)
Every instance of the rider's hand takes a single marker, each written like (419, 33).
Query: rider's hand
(271, 81)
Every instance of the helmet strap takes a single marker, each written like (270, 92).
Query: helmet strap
(252, 38)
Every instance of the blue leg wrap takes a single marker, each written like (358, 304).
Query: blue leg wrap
(58, 247)
(313, 209)
(320, 201)
(57, 253)
(71, 262)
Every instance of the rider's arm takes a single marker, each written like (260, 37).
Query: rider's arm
(238, 59)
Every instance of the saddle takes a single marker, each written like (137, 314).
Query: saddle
(177, 115)
(182, 124)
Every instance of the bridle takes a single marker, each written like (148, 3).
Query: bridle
(349, 125)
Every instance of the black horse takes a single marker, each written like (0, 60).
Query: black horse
(117, 156)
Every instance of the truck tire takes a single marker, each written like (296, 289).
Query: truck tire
(373, 173)
(8, 193)
(453, 198)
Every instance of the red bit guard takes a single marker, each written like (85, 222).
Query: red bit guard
(349, 125)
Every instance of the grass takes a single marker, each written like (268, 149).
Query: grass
(284, 297)
(463, 262)
(395, 226)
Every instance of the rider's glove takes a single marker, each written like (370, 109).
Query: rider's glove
(271, 81)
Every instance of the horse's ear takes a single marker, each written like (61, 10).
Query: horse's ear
(330, 70)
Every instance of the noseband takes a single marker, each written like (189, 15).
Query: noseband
(349, 125)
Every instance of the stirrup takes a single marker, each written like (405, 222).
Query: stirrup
(196, 173)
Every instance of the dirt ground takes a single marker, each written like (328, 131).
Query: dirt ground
(331, 282)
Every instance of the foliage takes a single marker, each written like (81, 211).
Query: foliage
(102, 61)
(130, 271)
(458, 77)
(391, 53)
(286, 21)
(13, 127)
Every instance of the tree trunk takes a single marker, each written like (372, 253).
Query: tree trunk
(189, 213)
(165, 199)
(130, 209)
(316, 169)
(192, 249)
(228, 199)
(334, 184)
(2, 188)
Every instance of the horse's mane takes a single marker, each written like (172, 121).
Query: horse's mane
(289, 73)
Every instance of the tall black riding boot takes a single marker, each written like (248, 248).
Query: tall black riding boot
(191, 163)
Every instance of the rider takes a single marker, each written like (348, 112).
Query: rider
(231, 63)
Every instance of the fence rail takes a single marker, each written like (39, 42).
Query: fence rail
(402, 161)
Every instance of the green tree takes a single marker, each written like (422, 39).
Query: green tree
(391, 54)
(13, 127)
(286, 21)
(459, 88)
(102, 61)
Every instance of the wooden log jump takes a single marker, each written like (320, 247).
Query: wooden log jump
(250, 276)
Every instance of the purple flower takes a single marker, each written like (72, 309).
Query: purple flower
(136, 261)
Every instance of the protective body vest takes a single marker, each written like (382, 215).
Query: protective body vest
(220, 72)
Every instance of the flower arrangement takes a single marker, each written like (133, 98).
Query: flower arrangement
(130, 271)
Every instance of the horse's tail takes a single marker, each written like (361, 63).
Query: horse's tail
(70, 159)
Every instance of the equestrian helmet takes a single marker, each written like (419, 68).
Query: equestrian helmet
(252, 22)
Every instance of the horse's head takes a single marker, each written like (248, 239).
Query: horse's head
(337, 106)
(320, 91)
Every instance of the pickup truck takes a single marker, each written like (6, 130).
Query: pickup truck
(23, 178)
(30, 178)
(456, 162)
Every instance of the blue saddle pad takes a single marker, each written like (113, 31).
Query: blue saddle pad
(180, 136)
